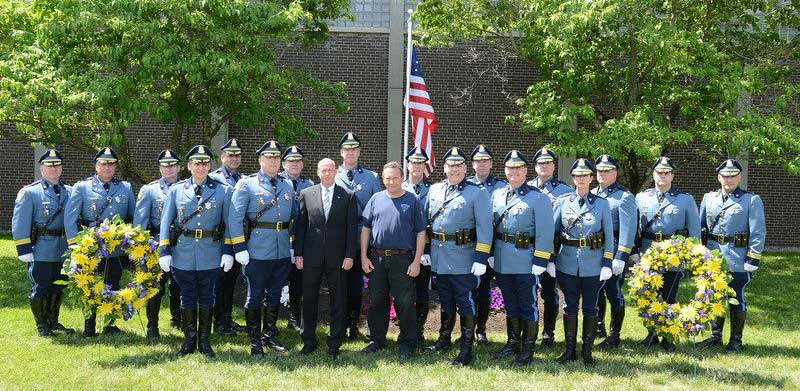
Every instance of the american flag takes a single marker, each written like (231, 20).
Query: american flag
(423, 120)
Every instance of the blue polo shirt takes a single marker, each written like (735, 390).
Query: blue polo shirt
(395, 222)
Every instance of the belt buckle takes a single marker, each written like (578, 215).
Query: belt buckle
(721, 239)
(582, 242)
(279, 226)
(440, 236)
(387, 253)
(198, 234)
(659, 236)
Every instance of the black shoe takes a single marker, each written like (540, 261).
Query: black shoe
(236, 327)
(738, 319)
(352, 321)
(372, 347)
(111, 330)
(613, 339)
(175, 312)
(548, 328)
(153, 307)
(480, 339)
(464, 357)
(716, 334)
(270, 336)
(204, 332)
(406, 354)
(650, 340)
(221, 324)
(308, 349)
(589, 330)
(54, 308)
(570, 339)
(333, 352)
(422, 317)
(530, 329)
(89, 327)
(444, 343)
(600, 331)
(39, 308)
(512, 344)
(253, 318)
(189, 317)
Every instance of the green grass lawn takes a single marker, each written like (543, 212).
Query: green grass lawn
(771, 359)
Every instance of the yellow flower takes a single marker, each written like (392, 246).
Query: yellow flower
(720, 284)
(657, 281)
(717, 309)
(87, 241)
(674, 261)
(656, 307)
(688, 313)
(140, 238)
(127, 295)
(80, 259)
(138, 252)
(98, 287)
(137, 304)
(105, 308)
(141, 277)
(643, 303)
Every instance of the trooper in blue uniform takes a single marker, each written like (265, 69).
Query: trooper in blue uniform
(93, 200)
(416, 183)
(460, 221)
(363, 182)
(37, 227)
(523, 244)
(292, 170)
(733, 223)
(266, 203)
(482, 165)
(665, 212)
(585, 231)
(228, 173)
(625, 215)
(149, 206)
(194, 231)
(547, 183)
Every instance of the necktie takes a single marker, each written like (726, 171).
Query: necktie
(581, 202)
(236, 177)
(416, 189)
(350, 175)
(449, 190)
(57, 190)
(541, 185)
(198, 192)
(274, 183)
(294, 184)
(724, 197)
(107, 186)
(660, 197)
(326, 202)
(509, 194)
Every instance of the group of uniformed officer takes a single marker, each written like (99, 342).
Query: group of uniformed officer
(529, 236)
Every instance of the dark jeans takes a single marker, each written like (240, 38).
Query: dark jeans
(389, 276)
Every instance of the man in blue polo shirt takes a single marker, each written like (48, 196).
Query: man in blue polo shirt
(394, 231)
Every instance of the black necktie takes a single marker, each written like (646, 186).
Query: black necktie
(450, 189)
(660, 197)
(581, 202)
(724, 197)
(350, 175)
(416, 189)
(541, 185)
(294, 184)
(107, 186)
(57, 190)
(236, 177)
(509, 194)
(198, 192)
(273, 182)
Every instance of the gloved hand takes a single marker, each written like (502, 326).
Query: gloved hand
(291, 255)
(490, 260)
(425, 260)
(605, 273)
(551, 269)
(164, 261)
(243, 257)
(478, 269)
(750, 268)
(617, 266)
(635, 258)
(226, 262)
(27, 258)
(538, 270)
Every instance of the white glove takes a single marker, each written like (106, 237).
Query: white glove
(243, 257)
(27, 258)
(551, 269)
(617, 266)
(478, 269)
(164, 261)
(425, 260)
(491, 262)
(750, 268)
(635, 258)
(537, 270)
(605, 273)
(226, 263)
(291, 255)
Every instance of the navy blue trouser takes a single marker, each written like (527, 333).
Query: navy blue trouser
(672, 281)
(740, 280)
(455, 293)
(423, 281)
(42, 275)
(585, 290)
(613, 290)
(548, 292)
(197, 287)
(520, 295)
(265, 281)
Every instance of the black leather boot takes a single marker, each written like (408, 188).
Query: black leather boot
(175, 312)
(54, 309)
(613, 339)
(570, 339)
(189, 317)
(737, 328)
(530, 330)
(39, 309)
(153, 307)
(601, 318)
(589, 331)
(295, 314)
(512, 342)
(353, 319)
(422, 317)
(464, 357)
(444, 343)
(204, 332)
(270, 336)
(481, 317)
(549, 327)
(253, 319)
(222, 325)
(716, 334)
(650, 340)
(89, 326)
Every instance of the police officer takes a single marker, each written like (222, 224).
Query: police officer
(665, 212)
(523, 244)
(292, 170)
(149, 206)
(194, 231)
(363, 182)
(585, 229)
(460, 221)
(266, 203)
(416, 183)
(733, 223)
(228, 173)
(548, 184)
(93, 200)
(482, 164)
(37, 227)
(625, 215)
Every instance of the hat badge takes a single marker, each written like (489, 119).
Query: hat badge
(545, 151)
(233, 142)
(729, 164)
(53, 153)
(454, 151)
(107, 151)
(514, 154)
(605, 159)
(272, 144)
(294, 149)
(481, 148)
(664, 160)
(167, 154)
(201, 150)
(349, 135)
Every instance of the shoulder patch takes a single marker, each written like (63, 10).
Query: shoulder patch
(20, 195)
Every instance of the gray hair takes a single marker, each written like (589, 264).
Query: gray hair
(325, 162)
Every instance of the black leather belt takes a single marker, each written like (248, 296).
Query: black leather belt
(389, 252)
(52, 232)
(658, 236)
(738, 240)
(520, 239)
(464, 236)
(199, 234)
(593, 241)
(277, 225)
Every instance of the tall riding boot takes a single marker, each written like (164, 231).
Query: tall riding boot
(422, 317)
(89, 326)
(39, 309)
(464, 357)
(253, 319)
(153, 307)
(650, 340)
(175, 311)
(54, 309)
(589, 330)
(204, 332)
(530, 329)
(481, 317)
(295, 314)
(189, 316)
(270, 336)
(617, 316)
(512, 344)
(444, 343)
(716, 334)
(737, 327)
(221, 324)
(570, 339)
(549, 327)
(601, 318)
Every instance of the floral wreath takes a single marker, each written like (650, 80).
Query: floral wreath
(674, 321)
(93, 244)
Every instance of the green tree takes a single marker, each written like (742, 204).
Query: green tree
(84, 70)
(637, 78)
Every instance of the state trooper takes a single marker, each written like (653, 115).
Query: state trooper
(194, 231)
(733, 223)
(266, 203)
(665, 212)
(418, 184)
(93, 200)
(228, 173)
(363, 182)
(523, 244)
(149, 206)
(37, 226)
(460, 224)
(585, 232)
(625, 215)
(548, 184)
(292, 170)
(482, 165)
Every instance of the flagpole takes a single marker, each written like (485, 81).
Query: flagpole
(407, 100)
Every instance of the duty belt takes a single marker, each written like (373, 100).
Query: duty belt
(389, 252)
(739, 239)
(520, 239)
(464, 236)
(199, 234)
(658, 236)
(51, 232)
(277, 225)
(593, 241)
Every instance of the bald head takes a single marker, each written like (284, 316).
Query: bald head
(326, 171)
